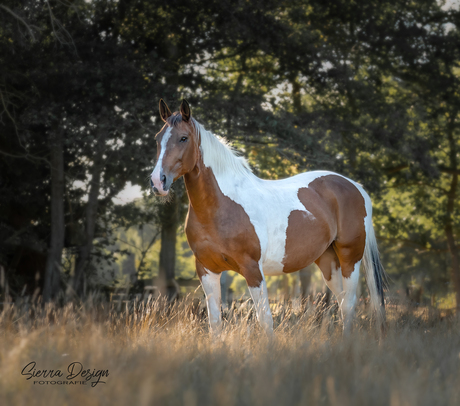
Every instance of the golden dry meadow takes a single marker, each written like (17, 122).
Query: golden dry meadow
(160, 355)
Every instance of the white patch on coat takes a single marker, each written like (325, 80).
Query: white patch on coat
(268, 203)
(212, 289)
(155, 176)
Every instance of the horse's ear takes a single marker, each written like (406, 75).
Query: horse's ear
(164, 110)
(185, 111)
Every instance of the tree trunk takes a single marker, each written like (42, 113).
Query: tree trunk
(296, 96)
(305, 280)
(53, 262)
(225, 281)
(285, 289)
(169, 223)
(232, 111)
(448, 227)
(91, 211)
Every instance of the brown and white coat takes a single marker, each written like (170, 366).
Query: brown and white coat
(237, 221)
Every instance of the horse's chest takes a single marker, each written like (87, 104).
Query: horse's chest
(223, 239)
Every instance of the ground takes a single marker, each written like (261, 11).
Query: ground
(156, 355)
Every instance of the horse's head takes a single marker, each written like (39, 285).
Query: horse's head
(177, 148)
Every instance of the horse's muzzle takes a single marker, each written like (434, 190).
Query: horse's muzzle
(160, 182)
(154, 189)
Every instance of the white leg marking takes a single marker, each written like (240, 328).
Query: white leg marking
(348, 306)
(211, 287)
(264, 315)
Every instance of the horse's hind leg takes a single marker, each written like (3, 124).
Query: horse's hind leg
(350, 255)
(350, 286)
(344, 288)
(329, 265)
(332, 274)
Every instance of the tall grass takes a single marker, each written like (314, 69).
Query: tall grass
(161, 355)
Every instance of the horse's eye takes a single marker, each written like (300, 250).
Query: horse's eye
(183, 139)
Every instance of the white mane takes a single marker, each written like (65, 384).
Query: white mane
(218, 154)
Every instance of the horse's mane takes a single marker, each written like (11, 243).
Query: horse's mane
(218, 154)
(216, 151)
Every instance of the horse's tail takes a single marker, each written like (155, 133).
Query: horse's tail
(375, 274)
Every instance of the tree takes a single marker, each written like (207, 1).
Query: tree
(80, 95)
(365, 89)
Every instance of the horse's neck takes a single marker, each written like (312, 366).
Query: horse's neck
(203, 189)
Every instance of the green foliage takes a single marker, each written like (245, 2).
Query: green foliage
(366, 89)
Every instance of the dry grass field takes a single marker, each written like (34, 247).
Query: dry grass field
(157, 355)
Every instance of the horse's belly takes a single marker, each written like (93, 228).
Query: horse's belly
(272, 268)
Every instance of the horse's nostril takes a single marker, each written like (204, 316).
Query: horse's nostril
(163, 179)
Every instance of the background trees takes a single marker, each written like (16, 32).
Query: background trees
(369, 90)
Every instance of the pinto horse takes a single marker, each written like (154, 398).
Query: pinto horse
(237, 221)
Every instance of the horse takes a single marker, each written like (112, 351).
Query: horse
(237, 221)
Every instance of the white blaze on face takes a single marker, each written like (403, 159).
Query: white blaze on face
(155, 176)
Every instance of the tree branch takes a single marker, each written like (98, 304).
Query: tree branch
(394, 169)
(8, 10)
(26, 156)
(417, 184)
(452, 171)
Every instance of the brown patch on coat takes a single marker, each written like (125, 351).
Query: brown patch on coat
(218, 230)
(339, 210)
(325, 262)
(308, 235)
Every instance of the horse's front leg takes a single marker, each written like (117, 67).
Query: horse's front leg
(210, 282)
(258, 289)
